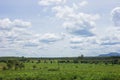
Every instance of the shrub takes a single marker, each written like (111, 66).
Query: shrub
(53, 69)
(18, 79)
(4, 68)
(34, 66)
(1, 78)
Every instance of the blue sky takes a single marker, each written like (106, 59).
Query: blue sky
(59, 28)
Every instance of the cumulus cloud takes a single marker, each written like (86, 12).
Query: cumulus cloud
(50, 2)
(50, 38)
(81, 24)
(7, 24)
(97, 44)
(84, 43)
(76, 40)
(79, 28)
(13, 33)
(82, 40)
(79, 5)
(116, 16)
(63, 12)
(83, 3)
(75, 22)
(84, 46)
(21, 24)
(110, 40)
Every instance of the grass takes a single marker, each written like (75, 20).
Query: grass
(64, 71)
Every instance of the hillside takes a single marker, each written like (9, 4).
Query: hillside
(110, 54)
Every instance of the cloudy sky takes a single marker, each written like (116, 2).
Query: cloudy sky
(59, 28)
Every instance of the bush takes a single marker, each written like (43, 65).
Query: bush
(1, 78)
(18, 79)
(4, 68)
(34, 67)
(53, 69)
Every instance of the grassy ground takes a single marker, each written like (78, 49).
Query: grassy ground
(65, 71)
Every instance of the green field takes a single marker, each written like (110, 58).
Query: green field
(62, 71)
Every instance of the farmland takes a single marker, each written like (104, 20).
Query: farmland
(59, 69)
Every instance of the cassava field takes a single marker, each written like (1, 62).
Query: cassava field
(59, 69)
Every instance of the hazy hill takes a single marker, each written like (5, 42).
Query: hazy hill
(110, 54)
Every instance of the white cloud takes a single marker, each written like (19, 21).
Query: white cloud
(82, 25)
(75, 21)
(107, 41)
(116, 16)
(50, 2)
(20, 38)
(63, 12)
(14, 33)
(84, 40)
(111, 39)
(78, 24)
(83, 3)
(7, 24)
(86, 46)
(50, 38)
(83, 28)
(97, 44)
(84, 43)
(21, 24)
(76, 40)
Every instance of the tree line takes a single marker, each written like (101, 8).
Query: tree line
(16, 63)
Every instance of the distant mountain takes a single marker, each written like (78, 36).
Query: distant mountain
(110, 54)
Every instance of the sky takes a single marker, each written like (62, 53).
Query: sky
(59, 28)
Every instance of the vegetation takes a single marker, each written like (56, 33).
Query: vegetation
(81, 68)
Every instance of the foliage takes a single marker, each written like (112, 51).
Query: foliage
(60, 69)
